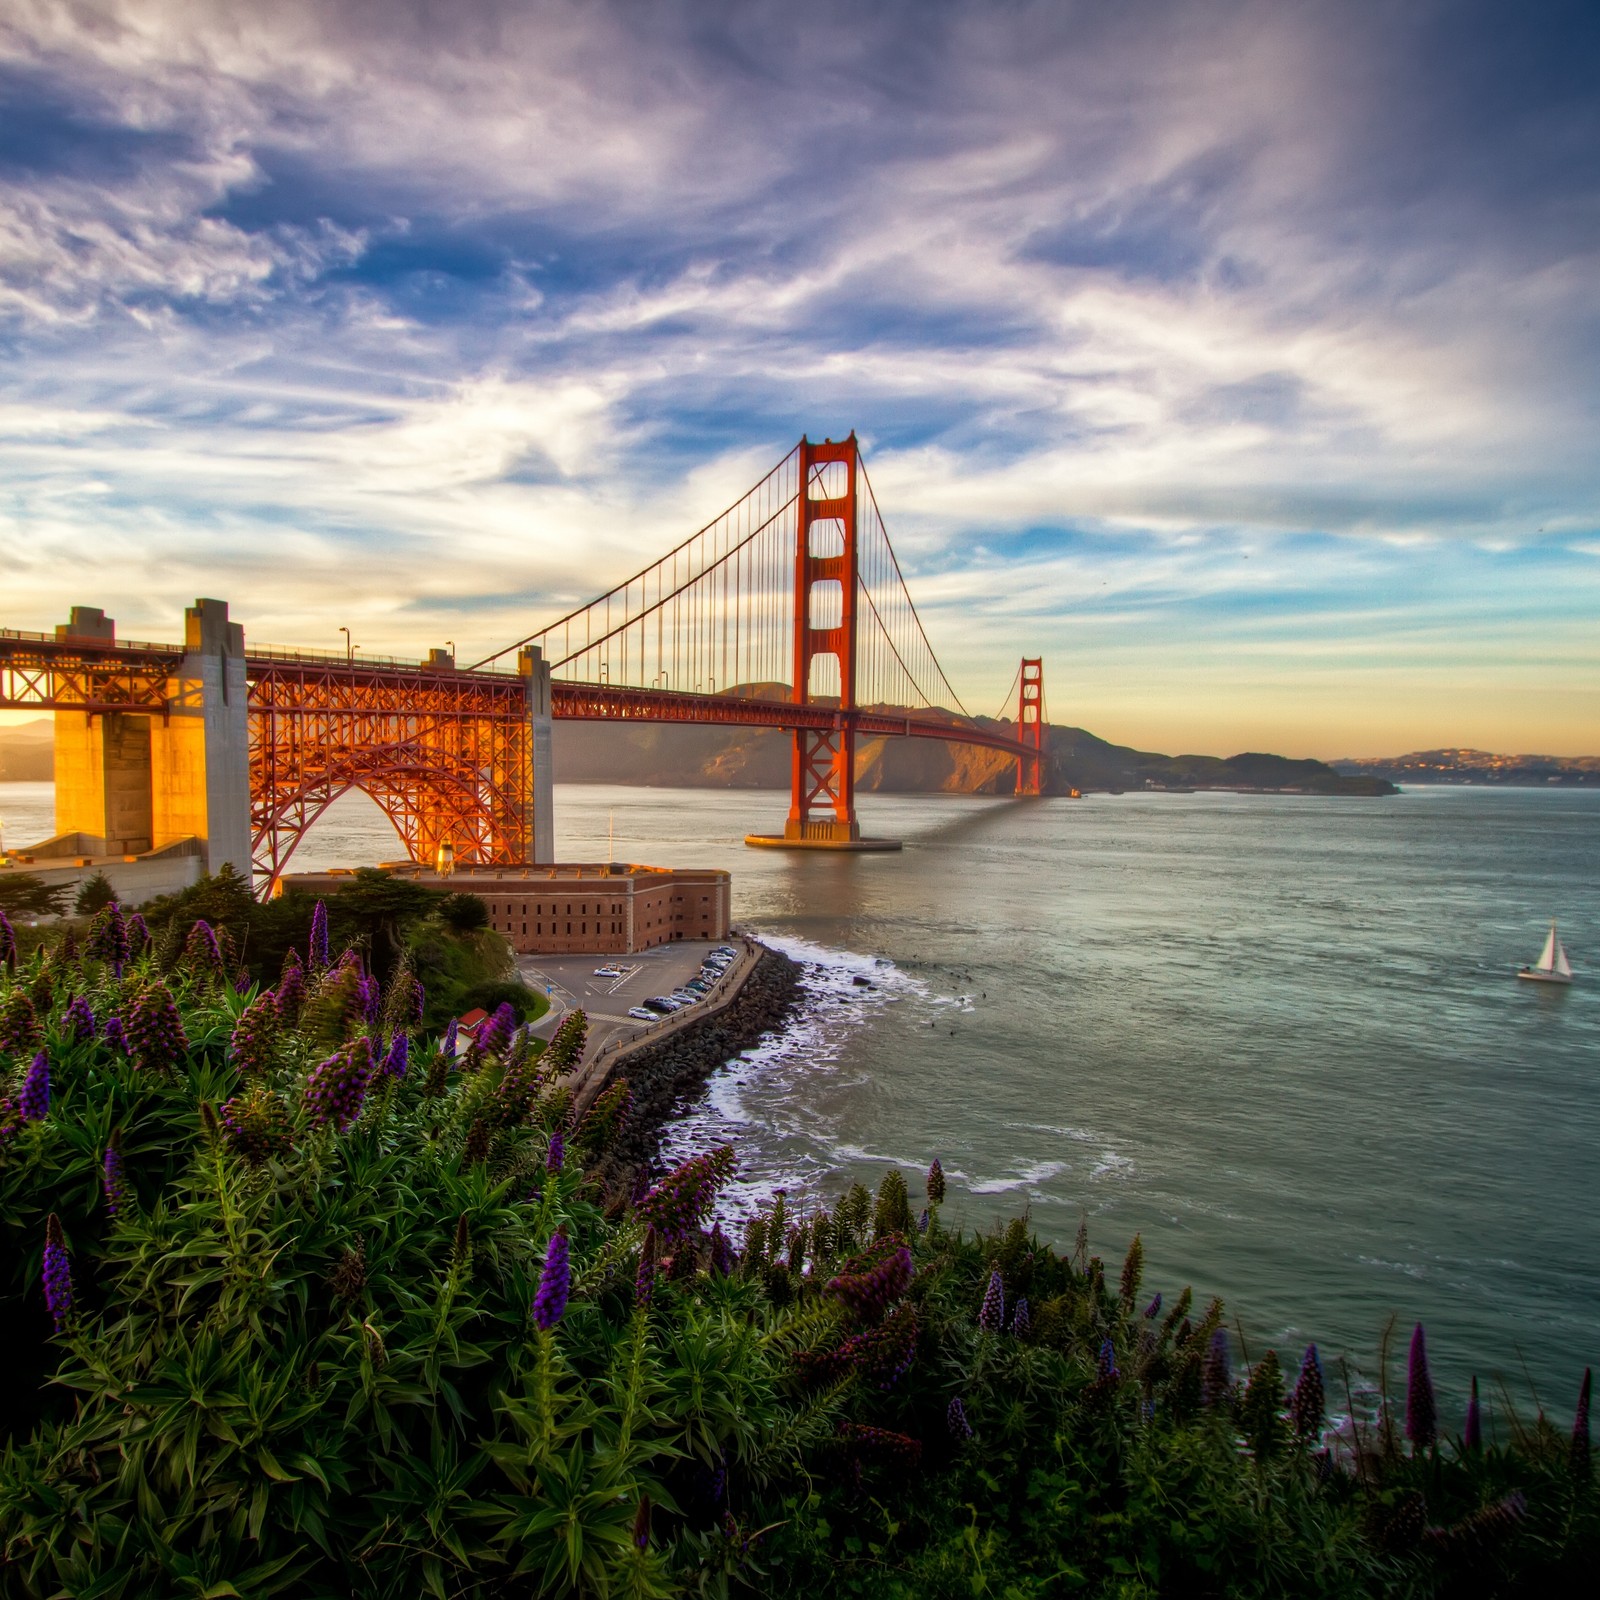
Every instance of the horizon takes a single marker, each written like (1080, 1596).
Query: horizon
(1240, 361)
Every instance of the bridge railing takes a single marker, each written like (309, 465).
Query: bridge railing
(339, 658)
(73, 641)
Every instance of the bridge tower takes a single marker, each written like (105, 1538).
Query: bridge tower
(822, 799)
(1030, 725)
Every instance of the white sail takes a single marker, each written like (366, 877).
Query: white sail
(1562, 965)
(1547, 956)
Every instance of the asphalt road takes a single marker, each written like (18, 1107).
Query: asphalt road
(571, 982)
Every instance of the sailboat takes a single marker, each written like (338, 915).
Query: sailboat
(1552, 965)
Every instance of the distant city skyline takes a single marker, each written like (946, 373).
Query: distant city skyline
(1242, 360)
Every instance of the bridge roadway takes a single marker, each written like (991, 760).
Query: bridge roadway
(41, 672)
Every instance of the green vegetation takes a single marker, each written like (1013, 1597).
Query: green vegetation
(24, 894)
(296, 1301)
(392, 921)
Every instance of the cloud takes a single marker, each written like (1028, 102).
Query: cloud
(1154, 319)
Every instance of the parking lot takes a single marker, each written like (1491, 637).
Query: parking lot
(572, 983)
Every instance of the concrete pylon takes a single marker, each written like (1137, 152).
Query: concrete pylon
(200, 752)
(136, 781)
(541, 722)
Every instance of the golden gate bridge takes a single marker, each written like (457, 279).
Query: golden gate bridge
(788, 611)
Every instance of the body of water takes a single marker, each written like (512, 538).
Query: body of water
(1280, 1037)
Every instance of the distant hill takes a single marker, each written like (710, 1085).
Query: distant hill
(1474, 766)
(708, 756)
(670, 756)
(27, 752)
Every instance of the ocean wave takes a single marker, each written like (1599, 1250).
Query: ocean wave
(1028, 1177)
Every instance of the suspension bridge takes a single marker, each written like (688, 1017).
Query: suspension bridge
(788, 611)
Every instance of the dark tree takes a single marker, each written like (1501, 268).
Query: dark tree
(95, 895)
(24, 895)
(463, 913)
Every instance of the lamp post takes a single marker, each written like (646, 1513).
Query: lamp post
(349, 649)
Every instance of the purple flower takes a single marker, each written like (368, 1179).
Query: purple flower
(1108, 1362)
(8, 942)
(113, 1181)
(557, 1152)
(336, 1088)
(1472, 1434)
(1216, 1379)
(115, 1039)
(369, 996)
(935, 1183)
(1579, 1455)
(680, 1203)
(641, 1524)
(200, 951)
(1422, 1411)
(108, 937)
(1308, 1403)
(494, 1035)
(79, 1019)
(399, 1057)
(19, 1023)
(290, 994)
(254, 1035)
(447, 1046)
(138, 935)
(922, 1220)
(644, 1280)
(1021, 1320)
(1153, 1310)
(318, 946)
(992, 1313)
(57, 1274)
(955, 1419)
(721, 1252)
(555, 1283)
(870, 1282)
(33, 1103)
(155, 1030)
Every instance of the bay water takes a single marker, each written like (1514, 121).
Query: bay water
(1279, 1037)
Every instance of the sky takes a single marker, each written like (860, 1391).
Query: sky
(1242, 360)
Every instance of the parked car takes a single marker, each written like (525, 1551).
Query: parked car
(644, 1014)
(698, 986)
(661, 1005)
(608, 972)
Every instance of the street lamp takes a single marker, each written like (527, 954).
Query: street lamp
(349, 649)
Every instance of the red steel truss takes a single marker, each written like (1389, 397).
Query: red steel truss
(42, 672)
(446, 754)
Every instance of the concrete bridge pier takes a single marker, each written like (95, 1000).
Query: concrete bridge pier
(541, 720)
(128, 783)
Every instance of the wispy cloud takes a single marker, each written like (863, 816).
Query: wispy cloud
(1219, 345)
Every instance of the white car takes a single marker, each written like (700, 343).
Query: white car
(642, 1015)
(608, 972)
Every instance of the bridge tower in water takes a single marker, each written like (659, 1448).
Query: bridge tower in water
(822, 797)
(1030, 726)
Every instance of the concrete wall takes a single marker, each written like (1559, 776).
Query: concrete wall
(136, 881)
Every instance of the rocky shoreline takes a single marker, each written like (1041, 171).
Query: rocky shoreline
(663, 1074)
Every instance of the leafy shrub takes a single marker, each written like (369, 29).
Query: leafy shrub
(527, 1004)
(305, 1308)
